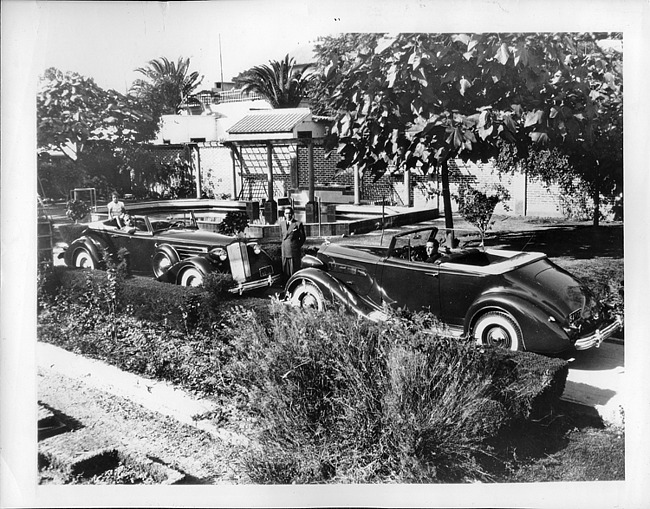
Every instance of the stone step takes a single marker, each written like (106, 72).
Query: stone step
(78, 453)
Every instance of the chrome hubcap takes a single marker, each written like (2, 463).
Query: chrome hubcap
(309, 301)
(498, 336)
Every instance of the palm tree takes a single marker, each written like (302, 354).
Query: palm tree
(280, 83)
(167, 84)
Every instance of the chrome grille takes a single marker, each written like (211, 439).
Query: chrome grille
(188, 251)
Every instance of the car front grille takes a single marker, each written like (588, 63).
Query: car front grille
(189, 251)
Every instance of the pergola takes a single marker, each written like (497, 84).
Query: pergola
(272, 128)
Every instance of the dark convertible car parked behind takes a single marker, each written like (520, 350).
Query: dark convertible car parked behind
(516, 300)
(172, 248)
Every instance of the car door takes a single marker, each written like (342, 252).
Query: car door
(140, 245)
(411, 285)
(460, 286)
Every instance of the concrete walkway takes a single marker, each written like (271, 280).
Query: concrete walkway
(160, 397)
(596, 379)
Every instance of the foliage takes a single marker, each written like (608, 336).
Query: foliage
(346, 400)
(235, 222)
(93, 128)
(477, 206)
(148, 299)
(166, 85)
(280, 82)
(418, 100)
(76, 210)
(73, 112)
(217, 285)
(174, 179)
(605, 277)
(57, 175)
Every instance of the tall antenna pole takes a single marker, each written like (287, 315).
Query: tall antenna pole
(220, 61)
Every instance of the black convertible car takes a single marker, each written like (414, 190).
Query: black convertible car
(516, 300)
(172, 248)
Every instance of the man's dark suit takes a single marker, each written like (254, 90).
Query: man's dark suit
(293, 237)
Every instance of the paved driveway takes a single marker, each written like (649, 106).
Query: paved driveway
(596, 380)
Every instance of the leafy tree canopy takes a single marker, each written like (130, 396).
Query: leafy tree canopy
(281, 83)
(166, 84)
(73, 112)
(408, 100)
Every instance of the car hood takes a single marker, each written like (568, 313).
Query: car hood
(197, 236)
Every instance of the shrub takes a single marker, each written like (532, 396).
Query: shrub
(218, 284)
(235, 222)
(353, 401)
(76, 210)
(477, 206)
(145, 298)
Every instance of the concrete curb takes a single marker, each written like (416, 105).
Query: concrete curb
(160, 397)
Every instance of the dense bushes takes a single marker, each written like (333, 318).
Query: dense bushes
(347, 400)
(337, 398)
(141, 297)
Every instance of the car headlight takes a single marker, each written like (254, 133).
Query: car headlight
(256, 248)
(220, 253)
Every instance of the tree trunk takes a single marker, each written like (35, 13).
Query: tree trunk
(597, 194)
(446, 203)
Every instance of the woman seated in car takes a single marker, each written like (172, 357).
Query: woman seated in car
(129, 225)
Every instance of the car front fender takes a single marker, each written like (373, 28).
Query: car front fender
(540, 330)
(334, 291)
(200, 263)
(93, 245)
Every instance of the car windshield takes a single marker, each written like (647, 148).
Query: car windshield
(418, 239)
(177, 219)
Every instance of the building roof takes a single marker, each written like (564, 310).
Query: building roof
(272, 121)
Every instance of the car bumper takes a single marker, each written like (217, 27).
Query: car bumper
(596, 338)
(252, 285)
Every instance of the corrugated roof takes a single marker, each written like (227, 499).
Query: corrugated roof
(268, 122)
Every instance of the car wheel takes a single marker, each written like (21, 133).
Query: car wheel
(161, 263)
(191, 277)
(308, 296)
(83, 260)
(497, 328)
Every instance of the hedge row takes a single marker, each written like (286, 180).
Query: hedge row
(145, 298)
(338, 398)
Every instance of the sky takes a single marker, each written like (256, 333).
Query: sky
(109, 40)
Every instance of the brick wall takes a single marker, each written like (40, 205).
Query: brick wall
(325, 171)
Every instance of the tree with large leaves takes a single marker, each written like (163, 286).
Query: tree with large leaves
(281, 83)
(166, 84)
(93, 128)
(419, 100)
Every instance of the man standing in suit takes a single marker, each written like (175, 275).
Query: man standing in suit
(292, 233)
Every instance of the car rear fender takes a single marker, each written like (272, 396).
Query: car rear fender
(174, 273)
(540, 332)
